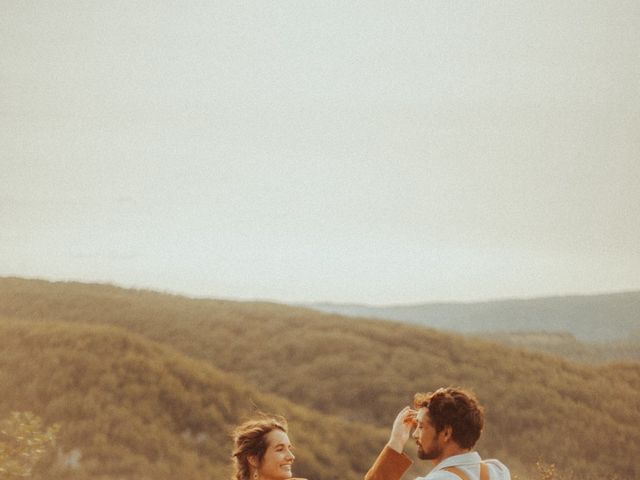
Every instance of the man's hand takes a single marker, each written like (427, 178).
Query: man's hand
(401, 429)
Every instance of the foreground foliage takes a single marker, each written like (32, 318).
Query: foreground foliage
(23, 442)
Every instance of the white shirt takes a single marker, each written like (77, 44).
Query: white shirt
(470, 464)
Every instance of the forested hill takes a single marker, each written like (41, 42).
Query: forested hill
(593, 318)
(129, 408)
(582, 418)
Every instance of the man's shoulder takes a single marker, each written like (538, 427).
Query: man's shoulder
(497, 471)
(496, 465)
(439, 475)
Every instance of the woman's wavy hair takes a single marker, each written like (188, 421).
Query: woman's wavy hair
(250, 440)
(456, 407)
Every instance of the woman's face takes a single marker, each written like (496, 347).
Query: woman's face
(277, 460)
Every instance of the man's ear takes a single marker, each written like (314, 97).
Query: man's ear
(447, 433)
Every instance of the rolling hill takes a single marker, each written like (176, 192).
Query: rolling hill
(365, 370)
(567, 346)
(130, 408)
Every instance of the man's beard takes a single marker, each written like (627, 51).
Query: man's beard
(434, 452)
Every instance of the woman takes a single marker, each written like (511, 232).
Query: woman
(262, 450)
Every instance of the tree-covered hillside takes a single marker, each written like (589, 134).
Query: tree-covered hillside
(579, 417)
(129, 408)
(566, 346)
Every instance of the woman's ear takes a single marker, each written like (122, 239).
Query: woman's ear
(253, 461)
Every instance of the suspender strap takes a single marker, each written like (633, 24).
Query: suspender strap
(458, 472)
(484, 472)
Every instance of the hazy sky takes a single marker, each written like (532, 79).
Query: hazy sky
(378, 152)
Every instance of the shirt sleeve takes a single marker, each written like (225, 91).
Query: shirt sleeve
(390, 465)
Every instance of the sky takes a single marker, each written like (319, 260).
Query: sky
(366, 152)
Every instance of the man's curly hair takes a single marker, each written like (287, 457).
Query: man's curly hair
(455, 407)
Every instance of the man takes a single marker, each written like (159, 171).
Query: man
(448, 423)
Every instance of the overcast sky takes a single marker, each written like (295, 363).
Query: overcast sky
(372, 152)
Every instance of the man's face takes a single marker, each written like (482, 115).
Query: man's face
(429, 445)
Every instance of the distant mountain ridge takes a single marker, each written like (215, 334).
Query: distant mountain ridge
(590, 318)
